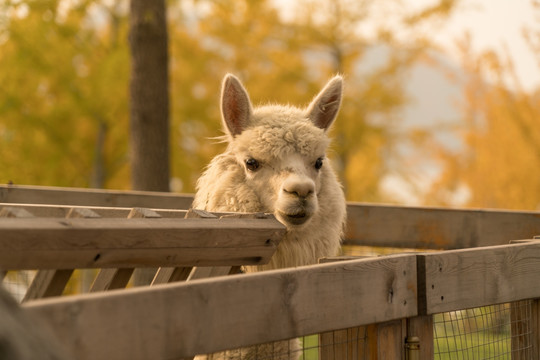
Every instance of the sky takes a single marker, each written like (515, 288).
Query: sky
(492, 24)
(495, 24)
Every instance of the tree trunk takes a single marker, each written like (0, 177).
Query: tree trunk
(149, 96)
(149, 103)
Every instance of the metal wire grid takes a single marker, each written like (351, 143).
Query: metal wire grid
(335, 345)
(490, 332)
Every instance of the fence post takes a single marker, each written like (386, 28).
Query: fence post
(346, 344)
(376, 342)
(535, 328)
(422, 328)
(521, 327)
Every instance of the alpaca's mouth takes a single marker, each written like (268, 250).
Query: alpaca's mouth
(294, 219)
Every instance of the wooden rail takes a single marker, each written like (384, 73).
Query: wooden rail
(467, 278)
(368, 224)
(185, 319)
(92, 197)
(397, 293)
(57, 239)
(52, 243)
(437, 228)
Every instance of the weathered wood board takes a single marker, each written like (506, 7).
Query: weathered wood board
(21, 337)
(367, 224)
(93, 197)
(203, 316)
(461, 279)
(436, 228)
(54, 243)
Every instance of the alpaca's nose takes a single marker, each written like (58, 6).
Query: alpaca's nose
(299, 188)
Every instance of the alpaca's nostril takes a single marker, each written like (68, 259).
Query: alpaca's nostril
(299, 191)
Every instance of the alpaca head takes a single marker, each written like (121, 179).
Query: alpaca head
(281, 149)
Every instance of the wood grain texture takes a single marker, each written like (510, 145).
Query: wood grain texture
(522, 343)
(176, 320)
(535, 327)
(368, 224)
(436, 228)
(93, 197)
(22, 337)
(50, 243)
(47, 283)
(45, 210)
(422, 327)
(110, 279)
(461, 279)
(346, 344)
(390, 336)
(171, 274)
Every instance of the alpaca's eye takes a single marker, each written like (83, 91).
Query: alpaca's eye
(318, 163)
(252, 164)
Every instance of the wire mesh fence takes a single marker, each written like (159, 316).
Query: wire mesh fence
(334, 345)
(500, 331)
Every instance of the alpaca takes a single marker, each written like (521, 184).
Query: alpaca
(275, 163)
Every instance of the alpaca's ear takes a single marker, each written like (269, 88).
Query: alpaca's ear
(235, 105)
(324, 108)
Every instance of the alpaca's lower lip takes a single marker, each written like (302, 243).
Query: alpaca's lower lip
(294, 219)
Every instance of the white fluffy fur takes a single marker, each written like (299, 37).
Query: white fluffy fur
(286, 142)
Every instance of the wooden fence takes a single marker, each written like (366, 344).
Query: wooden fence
(367, 224)
(390, 299)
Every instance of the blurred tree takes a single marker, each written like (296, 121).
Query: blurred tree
(287, 59)
(149, 96)
(67, 83)
(59, 123)
(497, 166)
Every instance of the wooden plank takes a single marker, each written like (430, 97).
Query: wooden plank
(347, 344)
(15, 212)
(422, 328)
(535, 328)
(174, 320)
(390, 340)
(93, 197)
(143, 276)
(23, 337)
(520, 327)
(368, 224)
(461, 279)
(376, 341)
(50, 243)
(197, 213)
(44, 210)
(436, 228)
(47, 283)
(110, 279)
(199, 272)
(171, 274)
